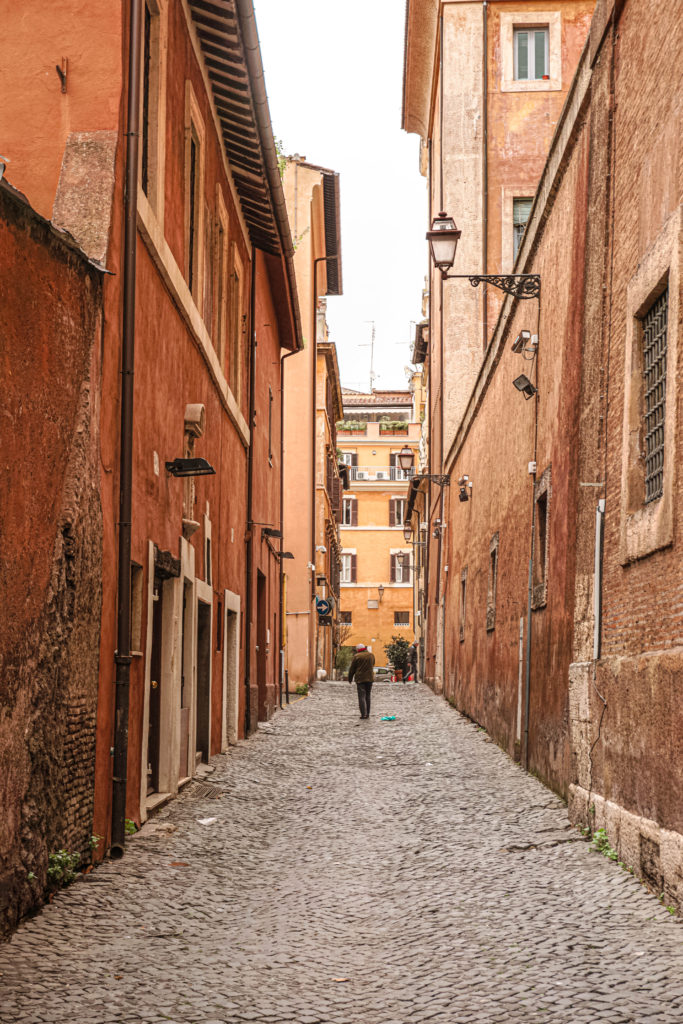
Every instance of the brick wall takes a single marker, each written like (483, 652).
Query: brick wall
(50, 551)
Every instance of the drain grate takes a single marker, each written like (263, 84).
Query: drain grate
(204, 789)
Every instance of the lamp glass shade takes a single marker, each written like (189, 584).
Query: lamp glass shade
(405, 459)
(408, 531)
(443, 241)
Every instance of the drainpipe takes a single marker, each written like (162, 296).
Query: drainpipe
(122, 656)
(485, 174)
(527, 673)
(282, 510)
(250, 499)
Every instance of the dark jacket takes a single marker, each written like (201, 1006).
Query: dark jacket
(361, 667)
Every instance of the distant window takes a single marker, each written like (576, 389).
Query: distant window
(492, 584)
(152, 140)
(400, 567)
(542, 495)
(463, 602)
(521, 208)
(346, 617)
(401, 618)
(135, 607)
(654, 331)
(532, 60)
(348, 510)
(348, 571)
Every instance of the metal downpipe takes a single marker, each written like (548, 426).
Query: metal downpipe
(122, 656)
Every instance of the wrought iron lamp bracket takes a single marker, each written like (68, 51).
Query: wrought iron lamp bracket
(522, 286)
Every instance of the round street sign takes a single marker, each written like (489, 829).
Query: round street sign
(323, 606)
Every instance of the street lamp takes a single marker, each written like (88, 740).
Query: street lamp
(380, 591)
(405, 459)
(408, 531)
(443, 241)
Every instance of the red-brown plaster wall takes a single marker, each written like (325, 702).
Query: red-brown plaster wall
(484, 667)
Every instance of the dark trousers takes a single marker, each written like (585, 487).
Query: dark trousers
(364, 690)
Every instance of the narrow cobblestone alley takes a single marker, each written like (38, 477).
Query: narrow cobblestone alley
(355, 873)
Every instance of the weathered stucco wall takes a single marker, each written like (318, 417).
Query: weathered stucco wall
(50, 551)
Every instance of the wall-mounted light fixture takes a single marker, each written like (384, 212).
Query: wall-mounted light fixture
(190, 467)
(523, 384)
(406, 459)
(380, 591)
(408, 531)
(443, 241)
(283, 554)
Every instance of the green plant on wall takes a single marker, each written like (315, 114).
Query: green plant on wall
(397, 653)
(351, 425)
(281, 158)
(61, 868)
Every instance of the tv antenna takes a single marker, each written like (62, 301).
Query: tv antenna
(371, 345)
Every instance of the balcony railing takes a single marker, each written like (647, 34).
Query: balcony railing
(377, 473)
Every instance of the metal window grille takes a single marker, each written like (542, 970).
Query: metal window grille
(654, 373)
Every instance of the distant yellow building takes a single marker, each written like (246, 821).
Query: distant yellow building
(377, 600)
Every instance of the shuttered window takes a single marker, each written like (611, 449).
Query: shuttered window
(654, 394)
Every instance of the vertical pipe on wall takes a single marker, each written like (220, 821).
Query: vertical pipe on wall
(249, 561)
(122, 656)
(597, 578)
(282, 512)
(485, 175)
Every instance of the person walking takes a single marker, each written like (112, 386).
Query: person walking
(361, 669)
(412, 661)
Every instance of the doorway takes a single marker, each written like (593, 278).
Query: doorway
(186, 666)
(261, 646)
(231, 674)
(155, 686)
(203, 745)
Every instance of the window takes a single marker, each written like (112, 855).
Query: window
(221, 269)
(207, 305)
(397, 507)
(542, 493)
(532, 58)
(521, 208)
(395, 471)
(349, 512)
(346, 458)
(194, 195)
(401, 618)
(349, 571)
(654, 331)
(492, 584)
(237, 325)
(346, 618)
(153, 64)
(400, 567)
(270, 426)
(463, 603)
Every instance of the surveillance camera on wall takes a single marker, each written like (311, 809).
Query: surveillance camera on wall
(521, 341)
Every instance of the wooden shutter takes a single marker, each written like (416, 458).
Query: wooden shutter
(392, 512)
(392, 459)
(354, 459)
(354, 568)
(354, 512)
(393, 569)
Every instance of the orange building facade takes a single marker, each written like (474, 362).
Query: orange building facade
(377, 594)
(214, 307)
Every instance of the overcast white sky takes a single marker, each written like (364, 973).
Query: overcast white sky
(334, 79)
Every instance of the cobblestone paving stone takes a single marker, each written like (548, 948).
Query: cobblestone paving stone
(410, 858)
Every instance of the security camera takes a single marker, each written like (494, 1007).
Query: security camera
(521, 341)
(322, 549)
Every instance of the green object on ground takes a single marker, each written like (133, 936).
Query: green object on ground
(388, 718)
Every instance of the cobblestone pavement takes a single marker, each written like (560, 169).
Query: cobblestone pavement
(355, 873)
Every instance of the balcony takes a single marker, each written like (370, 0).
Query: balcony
(376, 474)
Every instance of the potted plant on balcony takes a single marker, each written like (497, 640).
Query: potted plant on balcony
(393, 427)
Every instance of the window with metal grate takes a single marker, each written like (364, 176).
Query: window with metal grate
(654, 395)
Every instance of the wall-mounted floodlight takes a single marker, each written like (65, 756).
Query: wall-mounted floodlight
(4, 160)
(190, 467)
(284, 554)
(271, 531)
(523, 384)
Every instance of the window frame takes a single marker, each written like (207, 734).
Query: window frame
(152, 150)
(524, 20)
(195, 135)
(541, 553)
(402, 611)
(492, 585)
(528, 30)
(517, 241)
(463, 603)
(649, 527)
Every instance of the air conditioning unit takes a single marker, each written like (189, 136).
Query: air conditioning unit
(361, 475)
(381, 475)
